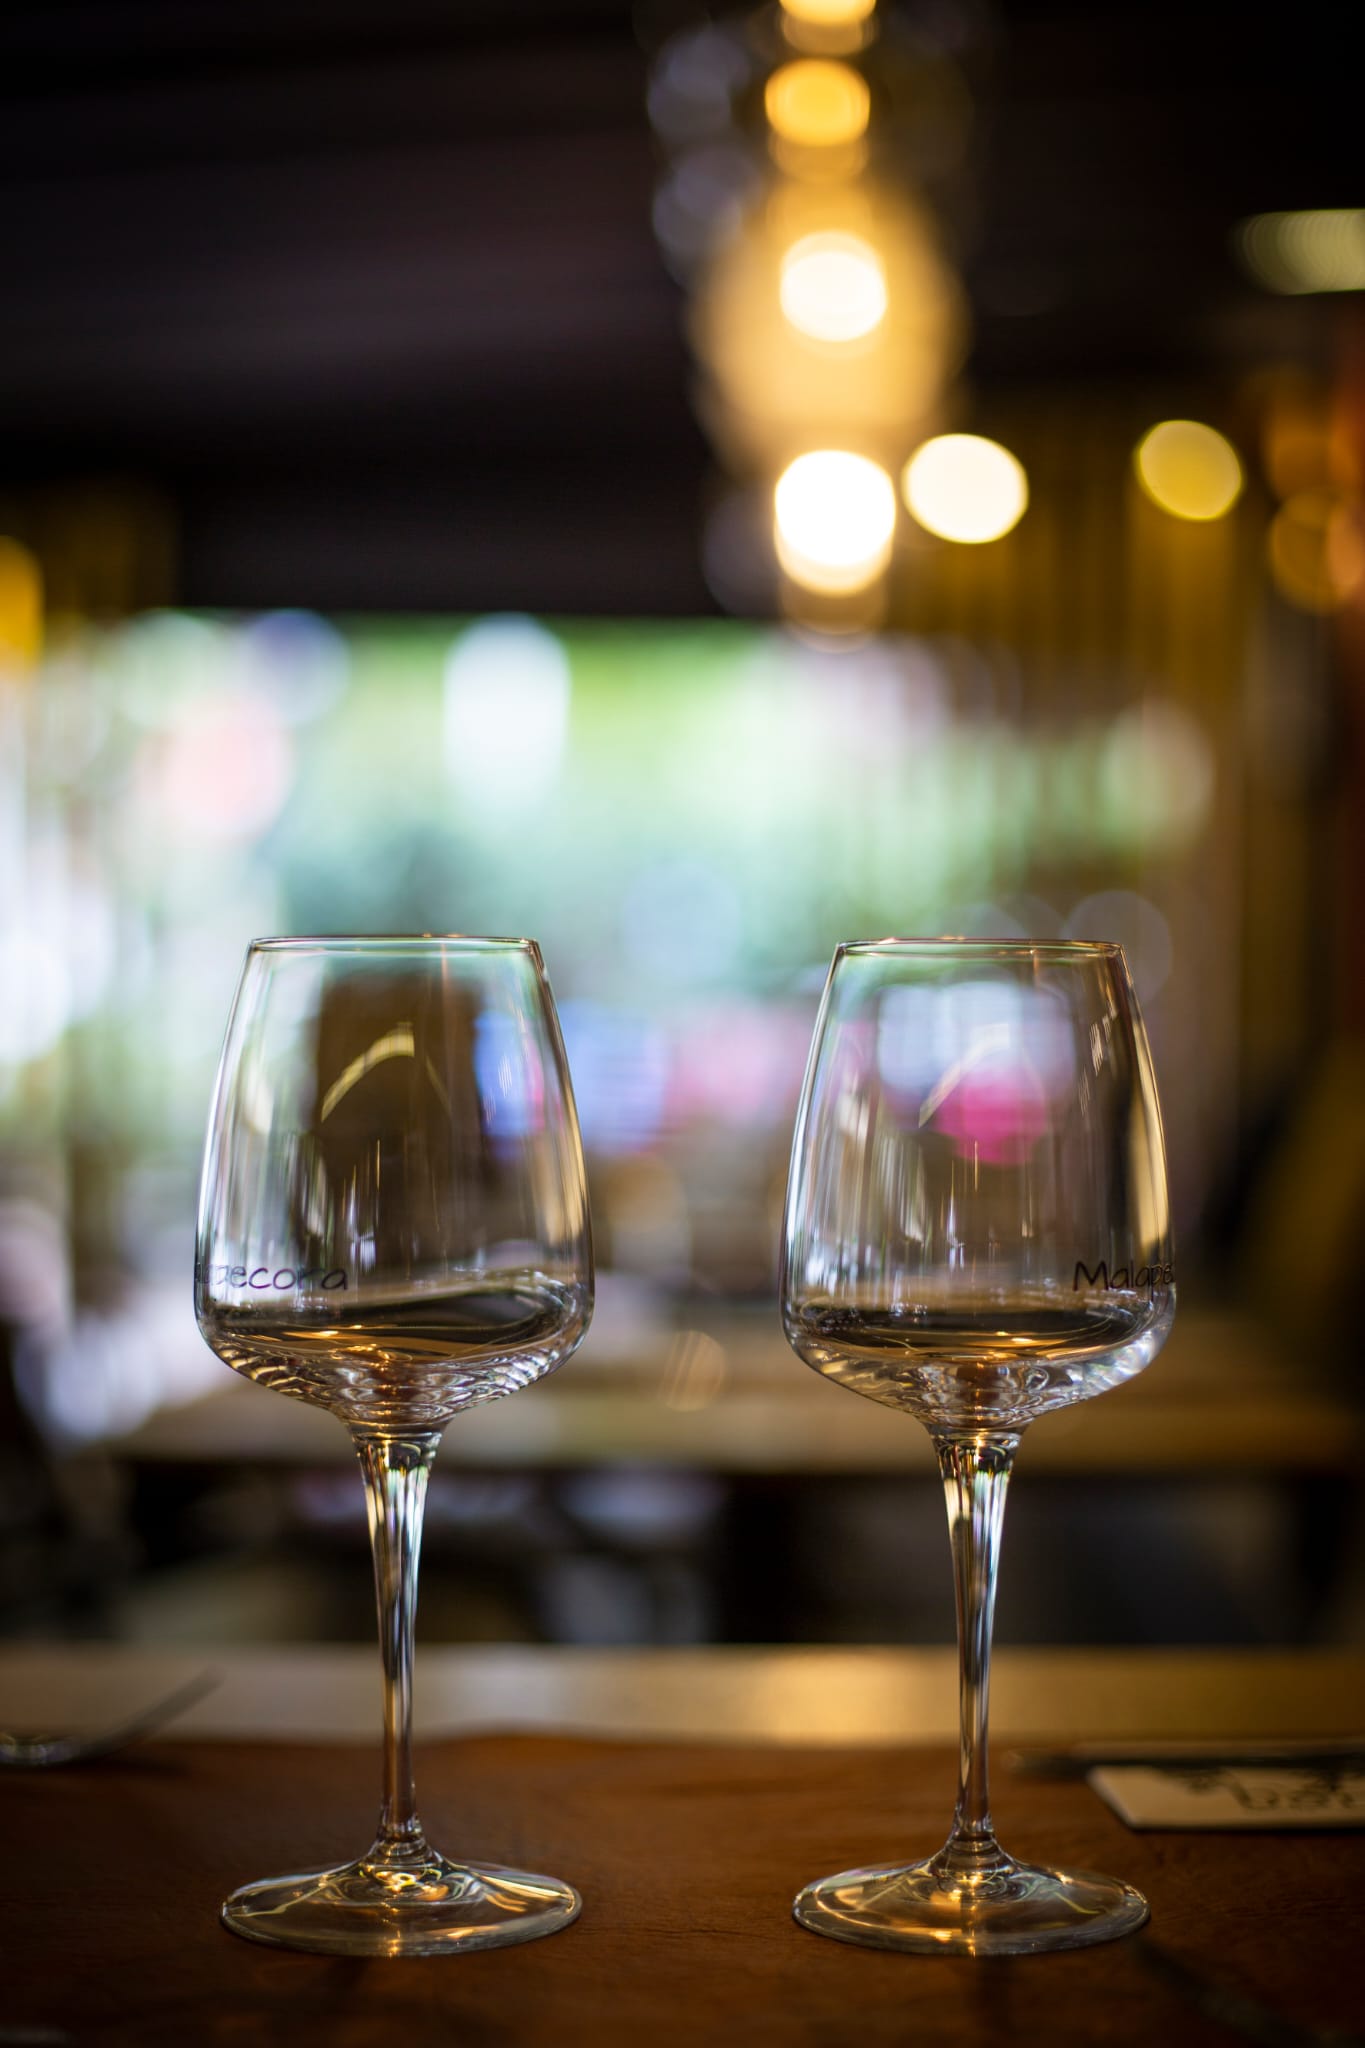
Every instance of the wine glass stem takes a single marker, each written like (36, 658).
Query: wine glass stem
(395, 1471)
(976, 1472)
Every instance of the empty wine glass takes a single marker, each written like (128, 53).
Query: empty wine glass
(393, 1224)
(976, 1232)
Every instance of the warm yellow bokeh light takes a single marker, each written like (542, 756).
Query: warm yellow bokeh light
(1319, 251)
(1316, 547)
(817, 103)
(771, 391)
(833, 287)
(828, 28)
(835, 515)
(965, 488)
(1306, 439)
(21, 605)
(1189, 470)
(828, 13)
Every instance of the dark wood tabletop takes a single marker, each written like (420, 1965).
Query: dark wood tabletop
(687, 1856)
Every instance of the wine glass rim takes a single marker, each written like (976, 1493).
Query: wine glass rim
(1064, 949)
(364, 942)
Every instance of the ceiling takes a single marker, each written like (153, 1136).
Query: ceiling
(373, 301)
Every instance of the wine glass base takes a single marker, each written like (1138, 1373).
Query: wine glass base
(1009, 1909)
(361, 1909)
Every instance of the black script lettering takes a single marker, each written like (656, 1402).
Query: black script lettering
(1150, 1277)
(261, 1280)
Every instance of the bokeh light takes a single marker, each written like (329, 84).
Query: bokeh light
(21, 605)
(769, 393)
(300, 661)
(981, 1058)
(833, 287)
(828, 27)
(739, 1062)
(965, 488)
(38, 1003)
(511, 1078)
(1316, 549)
(828, 13)
(1306, 442)
(506, 710)
(1155, 775)
(1189, 469)
(1134, 923)
(162, 664)
(817, 104)
(835, 518)
(1317, 251)
(701, 200)
(619, 1059)
(224, 770)
(695, 1375)
(694, 82)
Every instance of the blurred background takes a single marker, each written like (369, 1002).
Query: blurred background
(693, 486)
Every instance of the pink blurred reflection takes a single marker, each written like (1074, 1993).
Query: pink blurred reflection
(738, 1062)
(977, 1063)
(995, 1113)
(224, 770)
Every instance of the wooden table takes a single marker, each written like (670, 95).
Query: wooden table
(688, 1795)
(321, 1693)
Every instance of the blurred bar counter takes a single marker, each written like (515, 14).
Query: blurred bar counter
(726, 1395)
(330, 1693)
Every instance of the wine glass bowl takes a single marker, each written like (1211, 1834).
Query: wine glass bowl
(393, 1225)
(977, 1232)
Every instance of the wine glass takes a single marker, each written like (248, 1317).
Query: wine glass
(393, 1224)
(976, 1232)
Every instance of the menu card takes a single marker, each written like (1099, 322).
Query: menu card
(1292, 1795)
